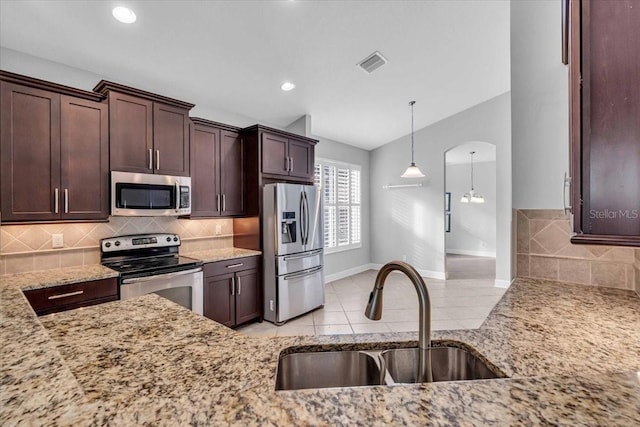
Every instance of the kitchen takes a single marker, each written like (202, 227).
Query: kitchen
(231, 395)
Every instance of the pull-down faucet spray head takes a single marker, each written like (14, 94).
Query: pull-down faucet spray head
(374, 306)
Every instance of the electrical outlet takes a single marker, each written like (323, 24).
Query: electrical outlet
(218, 229)
(57, 241)
(404, 257)
(272, 306)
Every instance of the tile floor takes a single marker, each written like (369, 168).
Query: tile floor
(461, 302)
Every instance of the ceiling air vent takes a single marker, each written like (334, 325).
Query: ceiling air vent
(372, 62)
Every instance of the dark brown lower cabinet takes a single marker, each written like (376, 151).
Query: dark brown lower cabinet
(75, 295)
(232, 294)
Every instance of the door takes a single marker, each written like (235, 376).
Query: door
(288, 207)
(299, 293)
(219, 299)
(312, 219)
(170, 140)
(30, 151)
(274, 154)
(232, 173)
(301, 159)
(84, 160)
(248, 298)
(205, 171)
(130, 133)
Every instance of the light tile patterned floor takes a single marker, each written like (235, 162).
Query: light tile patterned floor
(458, 303)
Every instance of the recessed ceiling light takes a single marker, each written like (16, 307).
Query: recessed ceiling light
(287, 86)
(124, 14)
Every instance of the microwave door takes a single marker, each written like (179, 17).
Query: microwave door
(313, 232)
(289, 223)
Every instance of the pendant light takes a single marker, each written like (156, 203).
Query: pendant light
(412, 171)
(472, 196)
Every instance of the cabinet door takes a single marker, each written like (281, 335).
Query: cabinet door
(170, 140)
(30, 153)
(301, 158)
(84, 159)
(248, 297)
(274, 154)
(232, 173)
(219, 299)
(205, 171)
(605, 117)
(130, 133)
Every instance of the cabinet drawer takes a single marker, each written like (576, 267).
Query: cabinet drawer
(65, 297)
(231, 265)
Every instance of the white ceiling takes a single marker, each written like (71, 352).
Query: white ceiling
(460, 154)
(234, 55)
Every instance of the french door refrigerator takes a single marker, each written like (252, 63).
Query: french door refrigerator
(293, 251)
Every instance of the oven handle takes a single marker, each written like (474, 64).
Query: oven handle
(161, 276)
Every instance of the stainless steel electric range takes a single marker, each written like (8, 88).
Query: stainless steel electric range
(151, 263)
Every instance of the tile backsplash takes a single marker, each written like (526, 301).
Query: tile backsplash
(543, 250)
(29, 247)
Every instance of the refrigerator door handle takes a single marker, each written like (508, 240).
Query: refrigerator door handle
(305, 255)
(302, 219)
(306, 222)
(303, 273)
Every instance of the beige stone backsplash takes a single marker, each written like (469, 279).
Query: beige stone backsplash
(544, 250)
(26, 248)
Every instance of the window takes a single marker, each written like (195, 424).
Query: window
(339, 184)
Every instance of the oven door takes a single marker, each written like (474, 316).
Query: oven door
(182, 287)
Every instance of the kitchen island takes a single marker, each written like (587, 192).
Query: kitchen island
(572, 353)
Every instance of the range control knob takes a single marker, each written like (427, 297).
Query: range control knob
(107, 245)
(175, 239)
(168, 239)
(117, 243)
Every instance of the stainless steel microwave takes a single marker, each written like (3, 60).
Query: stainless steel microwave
(141, 194)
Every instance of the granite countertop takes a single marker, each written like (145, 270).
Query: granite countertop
(571, 352)
(213, 255)
(60, 276)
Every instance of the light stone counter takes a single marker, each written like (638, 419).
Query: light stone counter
(572, 353)
(213, 255)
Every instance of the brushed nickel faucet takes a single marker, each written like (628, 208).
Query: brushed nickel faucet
(374, 311)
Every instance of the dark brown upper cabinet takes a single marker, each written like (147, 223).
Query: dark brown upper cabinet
(148, 133)
(604, 66)
(54, 149)
(217, 170)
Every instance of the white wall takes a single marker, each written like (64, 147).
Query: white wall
(473, 225)
(539, 105)
(410, 221)
(33, 66)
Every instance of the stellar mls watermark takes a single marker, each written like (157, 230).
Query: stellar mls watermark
(614, 214)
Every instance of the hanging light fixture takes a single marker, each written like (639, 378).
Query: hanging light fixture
(472, 196)
(412, 171)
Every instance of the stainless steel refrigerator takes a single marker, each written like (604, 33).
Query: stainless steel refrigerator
(293, 251)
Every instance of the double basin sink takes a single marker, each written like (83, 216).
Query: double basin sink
(352, 368)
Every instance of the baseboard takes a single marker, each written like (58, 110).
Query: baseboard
(424, 273)
(471, 253)
(503, 283)
(349, 272)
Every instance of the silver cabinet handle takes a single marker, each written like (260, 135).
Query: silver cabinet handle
(66, 200)
(150, 159)
(239, 286)
(224, 203)
(56, 202)
(157, 159)
(218, 202)
(235, 265)
(69, 294)
(290, 164)
(566, 183)
(233, 286)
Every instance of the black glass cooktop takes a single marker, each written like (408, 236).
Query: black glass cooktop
(157, 264)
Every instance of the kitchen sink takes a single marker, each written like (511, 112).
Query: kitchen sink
(322, 369)
(351, 368)
(447, 364)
